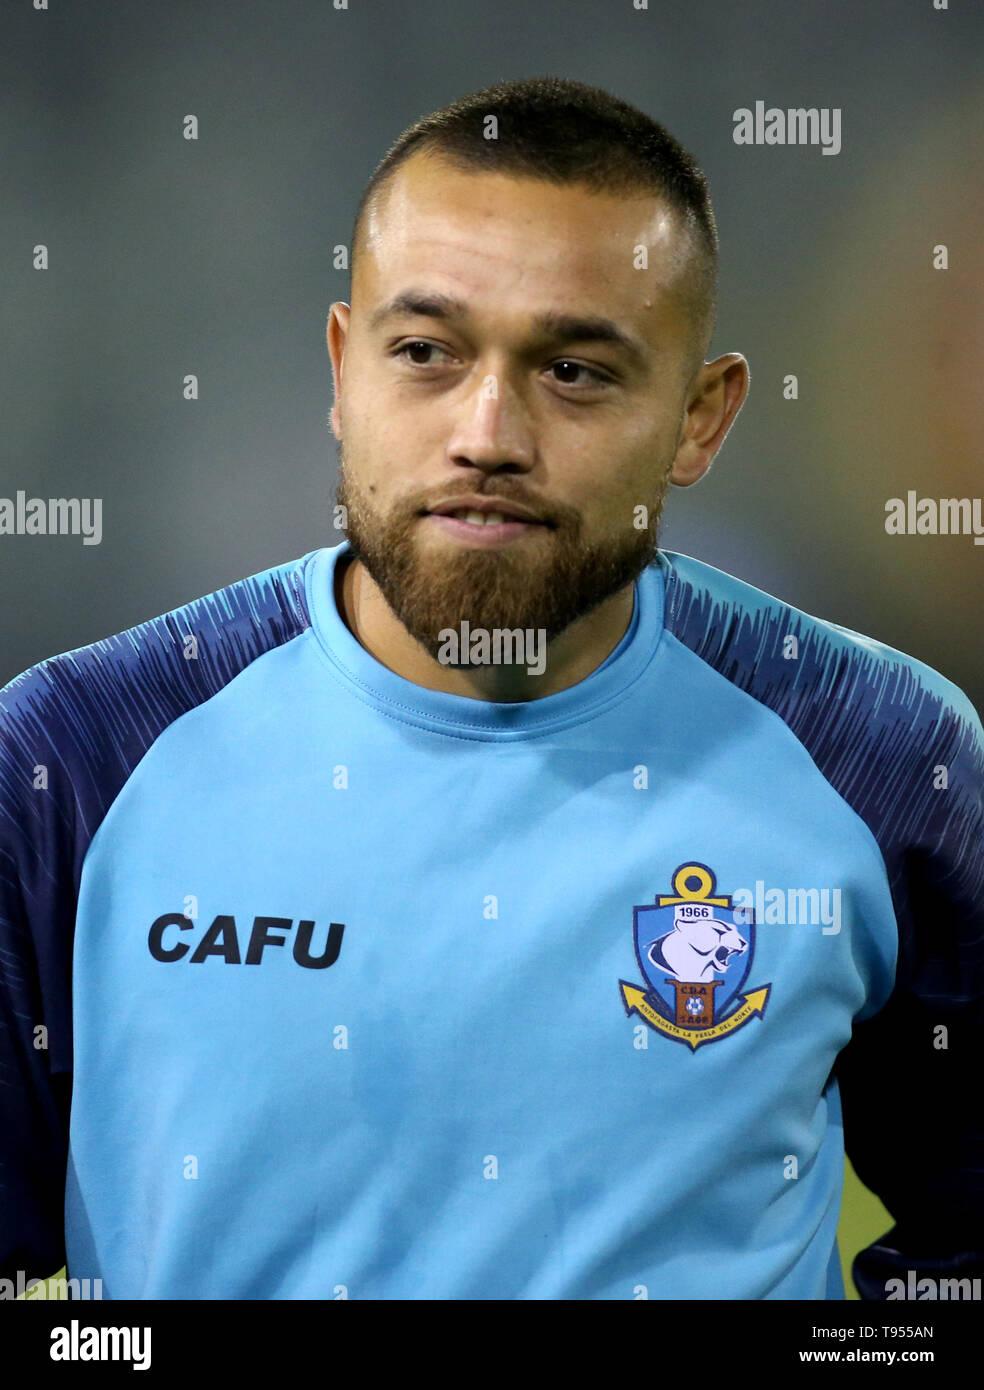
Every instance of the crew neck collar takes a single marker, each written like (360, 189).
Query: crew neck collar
(463, 716)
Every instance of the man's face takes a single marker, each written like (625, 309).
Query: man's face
(468, 368)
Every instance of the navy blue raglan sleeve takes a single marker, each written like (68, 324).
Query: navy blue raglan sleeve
(910, 1079)
(37, 906)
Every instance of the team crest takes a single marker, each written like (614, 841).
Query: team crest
(695, 950)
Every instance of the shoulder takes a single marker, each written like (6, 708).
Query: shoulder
(225, 630)
(884, 728)
(780, 654)
(74, 726)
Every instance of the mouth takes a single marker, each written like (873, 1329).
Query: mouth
(485, 521)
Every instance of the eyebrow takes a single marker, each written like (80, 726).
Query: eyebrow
(559, 327)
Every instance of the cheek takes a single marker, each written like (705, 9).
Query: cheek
(639, 468)
(370, 438)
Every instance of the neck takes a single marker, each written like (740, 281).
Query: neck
(570, 657)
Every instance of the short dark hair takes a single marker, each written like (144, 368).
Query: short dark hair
(563, 131)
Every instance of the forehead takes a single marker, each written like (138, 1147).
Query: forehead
(514, 241)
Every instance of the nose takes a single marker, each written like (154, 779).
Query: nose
(492, 429)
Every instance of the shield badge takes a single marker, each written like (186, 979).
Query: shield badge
(695, 951)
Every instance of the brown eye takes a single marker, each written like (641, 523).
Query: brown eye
(567, 366)
(417, 346)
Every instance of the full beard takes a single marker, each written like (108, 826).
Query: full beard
(543, 581)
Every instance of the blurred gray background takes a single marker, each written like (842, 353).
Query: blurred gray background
(215, 257)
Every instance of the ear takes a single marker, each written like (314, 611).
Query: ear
(336, 334)
(717, 395)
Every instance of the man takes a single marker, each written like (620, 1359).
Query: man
(496, 905)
